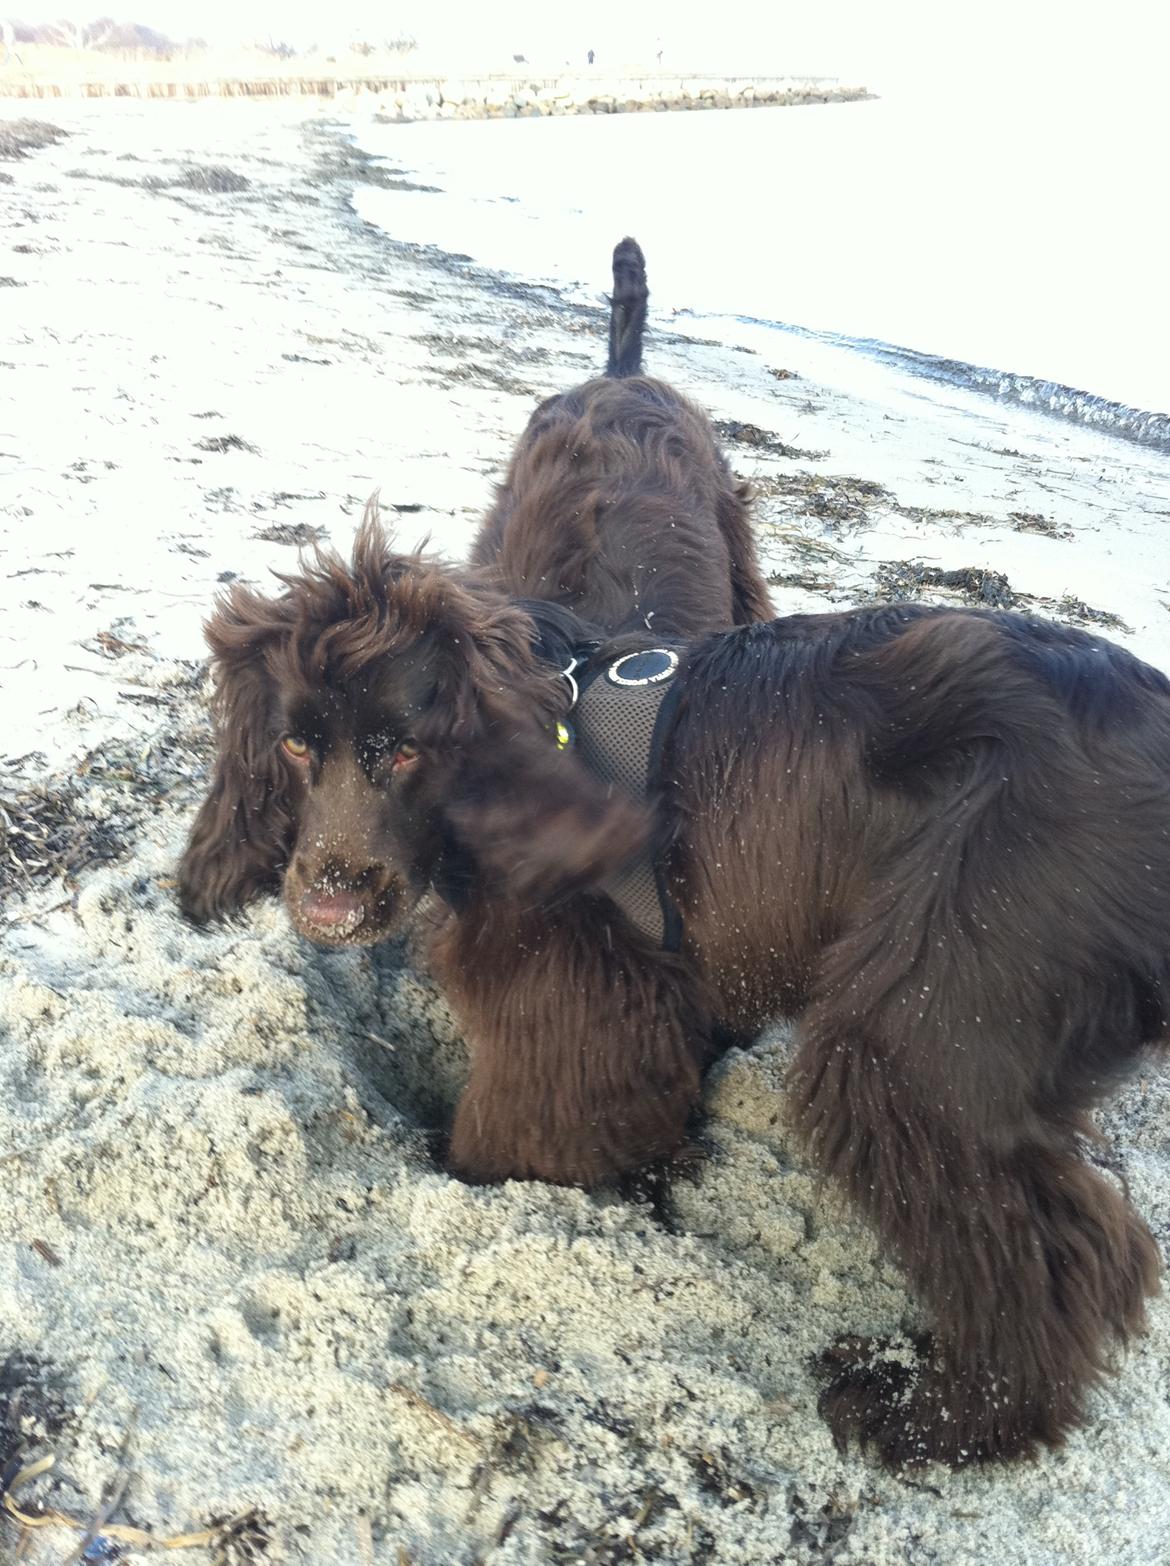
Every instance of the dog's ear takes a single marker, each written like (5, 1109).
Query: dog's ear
(536, 822)
(242, 835)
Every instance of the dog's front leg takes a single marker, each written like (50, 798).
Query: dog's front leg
(585, 1045)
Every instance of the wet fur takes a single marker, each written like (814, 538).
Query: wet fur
(945, 843)
(941, 838)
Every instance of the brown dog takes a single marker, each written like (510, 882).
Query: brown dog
(619, 503)
(942, 838)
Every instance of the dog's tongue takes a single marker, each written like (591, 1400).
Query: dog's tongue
(337, 911)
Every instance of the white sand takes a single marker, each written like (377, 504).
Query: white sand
(257, 1289)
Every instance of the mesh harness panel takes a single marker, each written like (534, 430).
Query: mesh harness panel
(618, 723)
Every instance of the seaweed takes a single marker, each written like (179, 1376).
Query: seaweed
(20, 137)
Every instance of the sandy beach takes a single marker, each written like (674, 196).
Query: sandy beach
(240, 1303)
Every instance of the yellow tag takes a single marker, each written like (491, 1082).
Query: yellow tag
(563, 736)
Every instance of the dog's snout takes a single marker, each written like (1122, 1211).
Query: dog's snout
(335, 904)
(338, 912)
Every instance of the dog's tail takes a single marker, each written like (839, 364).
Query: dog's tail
(627, 313)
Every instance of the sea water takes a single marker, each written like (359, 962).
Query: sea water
(1012, 244)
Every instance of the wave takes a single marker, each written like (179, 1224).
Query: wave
(1063, 402)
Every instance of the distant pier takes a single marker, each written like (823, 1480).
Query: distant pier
(408, 97)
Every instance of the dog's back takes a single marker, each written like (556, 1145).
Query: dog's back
(618, 502)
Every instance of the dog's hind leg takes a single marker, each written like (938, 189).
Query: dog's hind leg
(627, 314)
(1031, 1263)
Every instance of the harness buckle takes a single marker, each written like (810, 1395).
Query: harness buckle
(567, 676)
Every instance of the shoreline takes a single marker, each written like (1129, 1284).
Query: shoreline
(1054, 399)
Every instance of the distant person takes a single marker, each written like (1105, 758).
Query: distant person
(589, 56)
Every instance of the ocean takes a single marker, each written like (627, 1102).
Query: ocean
(1012, 246)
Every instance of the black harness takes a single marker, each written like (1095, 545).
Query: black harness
(620, 712)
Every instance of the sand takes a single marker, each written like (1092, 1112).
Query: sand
(260, 1311)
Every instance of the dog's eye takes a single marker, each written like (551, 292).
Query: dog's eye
(293, 745)
(405, 756)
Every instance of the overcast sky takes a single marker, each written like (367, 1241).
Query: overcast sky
(887, 42)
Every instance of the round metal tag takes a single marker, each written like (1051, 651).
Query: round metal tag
(643, 668)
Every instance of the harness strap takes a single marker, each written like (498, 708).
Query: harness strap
(619, 720)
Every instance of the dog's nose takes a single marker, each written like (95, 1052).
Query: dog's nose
(337, 912)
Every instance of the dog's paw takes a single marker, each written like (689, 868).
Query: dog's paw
(896, 1397)
(651, 1185)
(690, 1159)
(870, 1396)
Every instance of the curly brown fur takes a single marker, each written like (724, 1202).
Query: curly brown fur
(942, 838)
(353, 661)
(619, 504)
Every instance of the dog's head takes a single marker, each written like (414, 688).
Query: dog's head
(384, 727)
